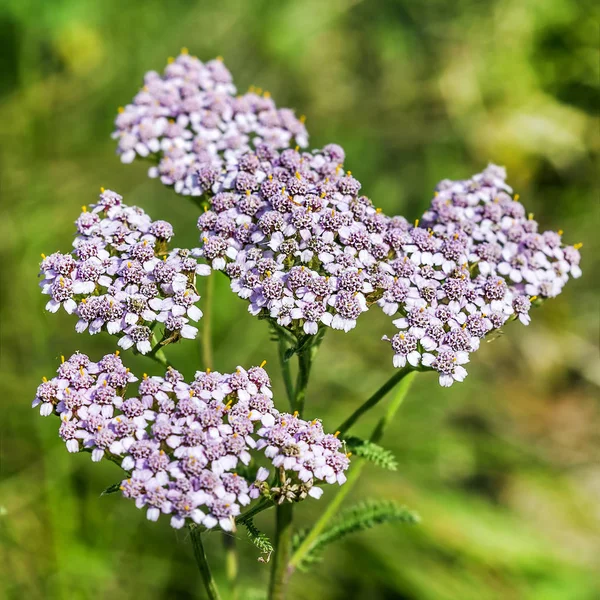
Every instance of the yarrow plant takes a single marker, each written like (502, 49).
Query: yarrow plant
(298, 240)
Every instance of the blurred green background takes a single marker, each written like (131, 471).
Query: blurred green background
(504, 469)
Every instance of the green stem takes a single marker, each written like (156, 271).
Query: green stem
(354, 474)
(284, 512)
(157, 353)
(330, 512)
(251, 513)
(207, 353)
(229, 545)
(283, 548)
(304, 366)
(373, 400)
(392, 409)
(285, 368)
(200, 555)
(231, 564)
(160, 358)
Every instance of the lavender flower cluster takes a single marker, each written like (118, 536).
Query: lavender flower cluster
(298, 242)
(121, 277)
(305, 249)
(188, 447)
(476, 262)
(193, 124)
(296, 238)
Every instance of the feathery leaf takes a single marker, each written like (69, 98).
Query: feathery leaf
(372, 452)
(260, 540)
(360, 517)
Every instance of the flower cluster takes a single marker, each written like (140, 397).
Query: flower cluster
(297, 239)
(188, 448)
(476, 262)
(121, 277)
(503, 240)
(197, 129)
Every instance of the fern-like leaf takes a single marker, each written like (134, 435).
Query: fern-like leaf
(260, 540)
(363, 516)
(372, 452)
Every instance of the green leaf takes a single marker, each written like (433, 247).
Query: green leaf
(372, 452)
(260, 540)
(112, 489)
(363, 516)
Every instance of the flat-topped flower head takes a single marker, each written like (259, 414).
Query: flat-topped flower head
(296, 239)
(302, 448)
(502, 239)
(121, 277)
(191, 120)
(473, 262)
(188, 448)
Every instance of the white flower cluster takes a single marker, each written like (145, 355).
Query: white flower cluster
(476, 262)
(121, 277)
(296, 239)
(189, 448)
(299, 243)
(191, 121)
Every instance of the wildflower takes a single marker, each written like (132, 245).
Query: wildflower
(182, 444)
(121, 278)
(301, 253)
(475, 262)
(201, 133)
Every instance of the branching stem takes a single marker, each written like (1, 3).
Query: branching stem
(373, 400)
(354, 474)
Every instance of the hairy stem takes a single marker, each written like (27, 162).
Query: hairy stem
(354, 474)
(207, 351)
(200, 555)
(283, 548)
(374, 399)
